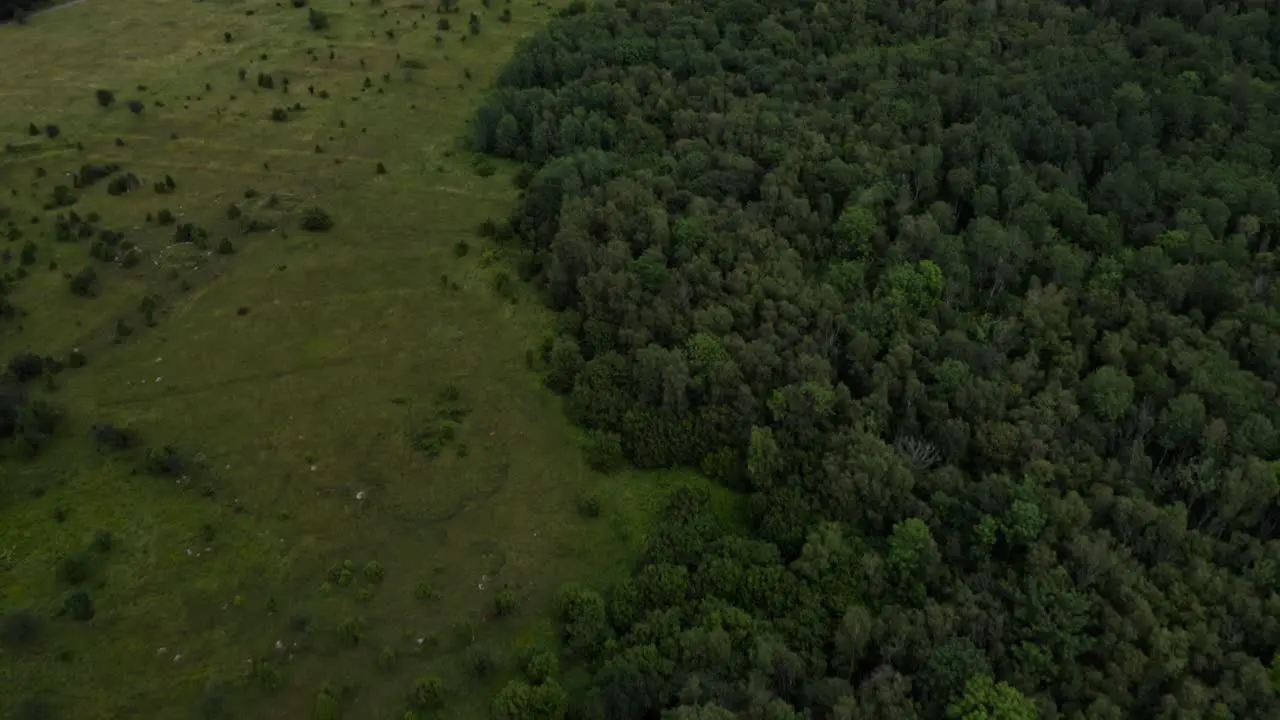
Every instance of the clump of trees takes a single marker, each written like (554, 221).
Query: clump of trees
(980, 311)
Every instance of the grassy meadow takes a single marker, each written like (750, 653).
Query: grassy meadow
(308, 377)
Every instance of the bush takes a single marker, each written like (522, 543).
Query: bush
(481, 662)
(505, 603)
(279, 114)
(233, 212)
(603, 451)
(165, 217)
(32, 130)
(442, 24)
(74, 569)
(103, 541)
(461, 248)
(225, 247)
(351, 631)
(26, 366)
(427, 694)
(381, 169)
(122, 184)
(316, 220)
(52, 131)
(19, 629)
(327, 706)
(84, 283)
(588, 505)
(78, 606)
(113, 438)
(374, 572)
(539, 665)
(76, 358)
(520, 701)
(166, 462)
(135, 107)
(106, 98)
(317, 19)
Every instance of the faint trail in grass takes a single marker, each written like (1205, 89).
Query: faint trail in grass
(177, 390)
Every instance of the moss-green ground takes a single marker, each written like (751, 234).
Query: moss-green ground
(306, 400)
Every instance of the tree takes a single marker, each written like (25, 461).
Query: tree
(520, 701)
(985, 699)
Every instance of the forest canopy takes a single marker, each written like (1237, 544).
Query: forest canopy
(978, 302)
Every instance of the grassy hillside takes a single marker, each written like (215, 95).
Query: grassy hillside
(305, 378)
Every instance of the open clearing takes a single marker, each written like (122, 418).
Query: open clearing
(296, 371)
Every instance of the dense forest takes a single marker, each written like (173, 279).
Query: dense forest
(978, 302)
(11, 9)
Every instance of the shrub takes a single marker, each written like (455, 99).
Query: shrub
(20, 629)
(84, 283)
(505, 16)
(327, 706)
(603, 450)
(135, 107)
(424, 591)
(225, 247)
(76, 358)
(427, 694)
(78, 606)
(103, 541)
(539, 665)
(386, 659)
(442, 24)
(90, 174)
(74, 569)
(52, 131)
(299, 3)
(588, 505)
(32, 130)
(381, 169)
(166, 462)
(122, 184)
(317, 19)
(165, 217)
(106, 98)
(26, 366)
(481, 662)
(461, 248)
(279, 114)
(131, 258)
(505, 603)
(374, 572)
(111, 437)
(316, 220)
(28, 256)
(351, 630)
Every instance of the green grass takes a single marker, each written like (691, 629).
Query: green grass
(310, 398)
